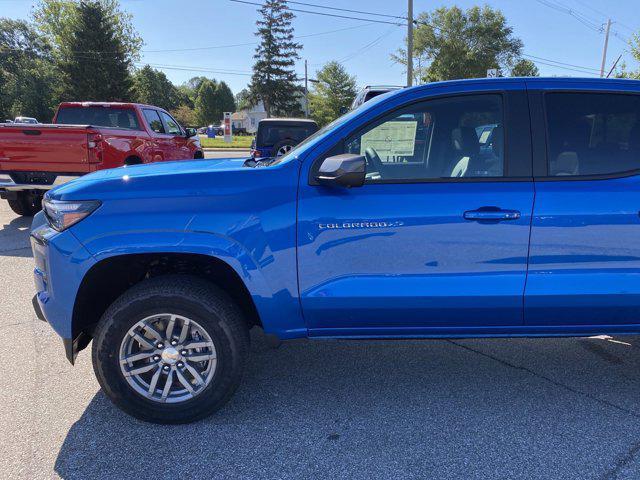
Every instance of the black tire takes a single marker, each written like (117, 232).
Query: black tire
(185, 295)
(26, 204)
(199, 155)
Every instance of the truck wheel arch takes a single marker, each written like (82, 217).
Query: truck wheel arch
(111, 277)
(132, 160)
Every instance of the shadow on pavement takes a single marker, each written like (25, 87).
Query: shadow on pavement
(14, 237)
(520, 408)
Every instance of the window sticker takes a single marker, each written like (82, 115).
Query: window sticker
(391, 139)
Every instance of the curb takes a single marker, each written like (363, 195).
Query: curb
(226, 149)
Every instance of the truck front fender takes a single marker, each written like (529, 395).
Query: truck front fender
(277, 307)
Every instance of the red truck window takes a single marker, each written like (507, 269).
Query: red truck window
(153, 119)
(109, 117)
(172, 126)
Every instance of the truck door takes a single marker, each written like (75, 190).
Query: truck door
(179, 144)
(584, 266)
(437, 237)
(160, 142)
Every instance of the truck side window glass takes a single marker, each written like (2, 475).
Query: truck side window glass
(457, 137)
(172, 126)
(592, 133)
(153, 119)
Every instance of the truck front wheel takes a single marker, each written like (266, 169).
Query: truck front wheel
(172, 349)
(26, 204)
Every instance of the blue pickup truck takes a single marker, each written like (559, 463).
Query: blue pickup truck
(478, 208)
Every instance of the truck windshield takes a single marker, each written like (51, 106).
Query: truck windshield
(109, 117)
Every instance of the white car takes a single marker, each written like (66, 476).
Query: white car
(25, 120)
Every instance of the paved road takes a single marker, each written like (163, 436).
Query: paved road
(464, 409)
(226, 154)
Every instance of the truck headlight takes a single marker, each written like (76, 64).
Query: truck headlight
(62, 214)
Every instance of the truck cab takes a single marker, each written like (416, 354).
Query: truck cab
(477, 208)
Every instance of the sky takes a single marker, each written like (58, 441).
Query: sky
(216, 38)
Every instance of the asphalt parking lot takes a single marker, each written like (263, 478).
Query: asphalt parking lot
(464, 409)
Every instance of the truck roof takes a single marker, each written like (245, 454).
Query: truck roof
(533, 80)
(106, 104)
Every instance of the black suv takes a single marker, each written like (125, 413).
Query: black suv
(276, 136)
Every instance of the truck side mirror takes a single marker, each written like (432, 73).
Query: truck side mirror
(190, 132)
(346, 170)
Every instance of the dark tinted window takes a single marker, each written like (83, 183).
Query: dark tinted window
(153, 119)
(269, 133)
(444, 138)
(109, 117)
(592, 133)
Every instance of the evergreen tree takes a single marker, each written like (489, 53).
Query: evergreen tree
(226, 100)
(334, 91)
(152, 87)
(95, 64)
(274, 77)
(243, 100)
(207, 106)
(525, 68)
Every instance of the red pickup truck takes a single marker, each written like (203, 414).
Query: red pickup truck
(85, 137)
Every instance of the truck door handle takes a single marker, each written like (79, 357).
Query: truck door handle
(491, 214)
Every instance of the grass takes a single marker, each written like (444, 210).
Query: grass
(218, 142)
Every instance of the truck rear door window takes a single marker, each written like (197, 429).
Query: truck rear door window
(592, 133)
(108, 117)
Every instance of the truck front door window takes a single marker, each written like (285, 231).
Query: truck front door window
(171, 125)
(153, 119)
(443, 138)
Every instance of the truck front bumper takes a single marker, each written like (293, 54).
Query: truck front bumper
(59, 256)
(7, 184)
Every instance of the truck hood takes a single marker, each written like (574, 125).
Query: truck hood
(168, 180)
(166, 168)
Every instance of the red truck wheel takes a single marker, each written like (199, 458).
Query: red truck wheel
(26, 204)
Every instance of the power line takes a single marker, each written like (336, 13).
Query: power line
(605, 15)
(582, 18)
(192, 69)
(323, 13)
(366, 47)
(347, 10)
(213, 47)
(560, 63)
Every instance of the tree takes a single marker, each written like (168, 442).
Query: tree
(94, 44)
(28, 75)
(152, 87)
(185, 116)
(243, 101)
(525, 68)
(274, 78)
(56, 20)
(334, 91)
(226, 100)
(622, 71)
(462, 44)
(207, 107)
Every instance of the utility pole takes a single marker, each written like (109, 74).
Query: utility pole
(306, 91)
(410, 43)
(604, 50)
